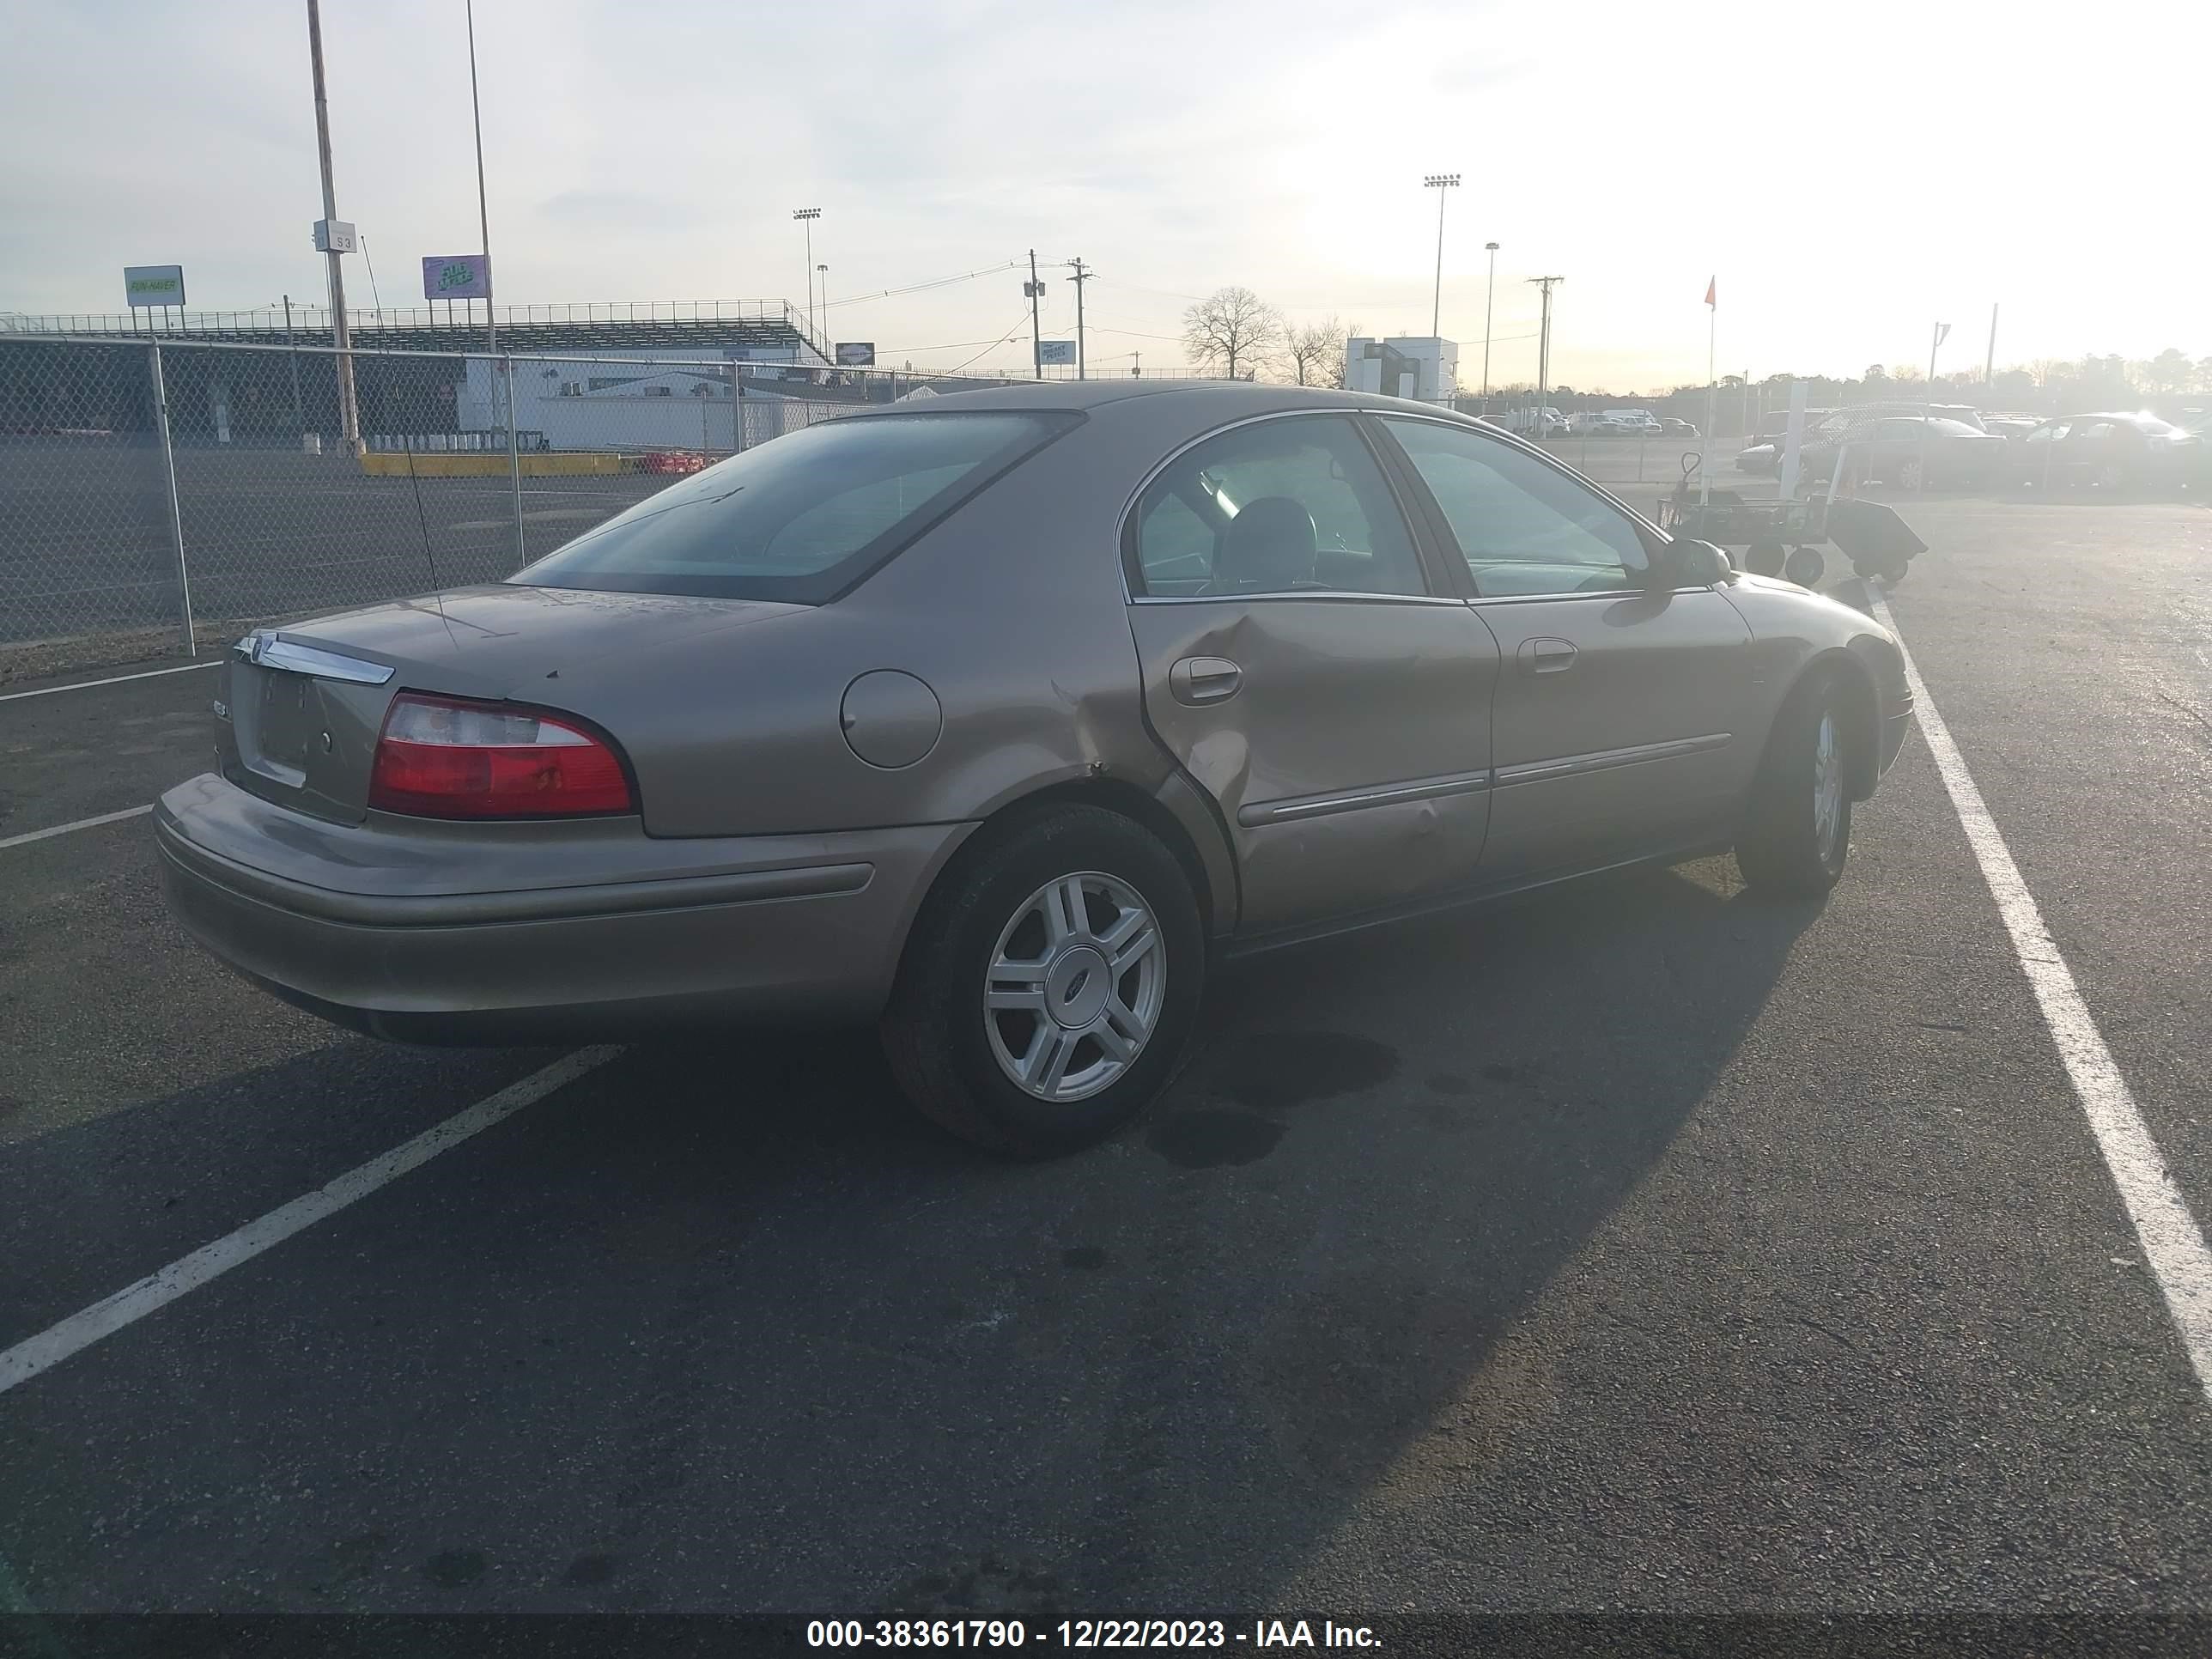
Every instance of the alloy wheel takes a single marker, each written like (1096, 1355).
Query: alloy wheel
(1075, 985)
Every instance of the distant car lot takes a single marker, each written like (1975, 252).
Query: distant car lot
(1643, 1237)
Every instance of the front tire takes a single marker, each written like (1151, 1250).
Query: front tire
(1050, 984)
(1796, 833)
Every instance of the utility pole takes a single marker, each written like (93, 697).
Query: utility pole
(349, 409)
(1082, 276)
(1544, 349)
(1439, 182)
(1034, 289)
(1489, 290)
(1989, 366)
(484, 212)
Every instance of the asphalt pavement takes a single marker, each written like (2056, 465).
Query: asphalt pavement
(1642, 1245)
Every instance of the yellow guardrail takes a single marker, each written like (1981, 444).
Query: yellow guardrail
(541, 463)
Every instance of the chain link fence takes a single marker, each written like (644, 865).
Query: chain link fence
(159, 495)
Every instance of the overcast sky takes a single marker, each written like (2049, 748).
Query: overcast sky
(1851, 173)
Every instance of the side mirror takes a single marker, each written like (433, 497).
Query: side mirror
(1693, 563)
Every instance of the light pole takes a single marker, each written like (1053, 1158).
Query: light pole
(1439, 182)
(1488, 288)
(807, 216)
(1928, 404)
(822, 271)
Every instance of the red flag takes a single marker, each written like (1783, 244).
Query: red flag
(1712, 287)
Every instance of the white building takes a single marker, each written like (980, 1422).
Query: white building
(1405, 365)
(599, 403)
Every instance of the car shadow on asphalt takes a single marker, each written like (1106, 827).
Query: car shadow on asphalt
(723, 1325)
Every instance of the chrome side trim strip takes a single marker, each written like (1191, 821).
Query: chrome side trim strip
(264, 650)
(1569, 766)
(1296, 593)
(1319, 806)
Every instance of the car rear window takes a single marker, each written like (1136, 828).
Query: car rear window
(800, 517)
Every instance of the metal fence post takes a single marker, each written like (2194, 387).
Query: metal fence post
(513, 461)
(176, 509)
(738, 411)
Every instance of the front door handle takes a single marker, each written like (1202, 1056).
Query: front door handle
(1198, 680)
(1547, 656)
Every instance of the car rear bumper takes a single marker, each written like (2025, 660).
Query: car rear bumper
(406, 930)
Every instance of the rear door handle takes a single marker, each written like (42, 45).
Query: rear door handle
(1547, 656)
(1198, 680)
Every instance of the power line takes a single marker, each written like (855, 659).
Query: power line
(995, 344)
(935, 282)
(948, 345)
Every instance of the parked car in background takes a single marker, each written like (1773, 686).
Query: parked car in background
(2009, 426)
(1774, 427)
(997, 723)
(1895, 449)
(1546, 422)
(1587, 422)
(1634, 423)
(1673, 427)
(2113, 451)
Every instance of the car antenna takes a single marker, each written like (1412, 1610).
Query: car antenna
(407, 443)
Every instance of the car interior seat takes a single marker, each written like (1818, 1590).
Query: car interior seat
(1269, 546)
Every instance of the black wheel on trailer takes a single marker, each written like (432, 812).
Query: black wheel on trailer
(1804, 566)
(1764, 559)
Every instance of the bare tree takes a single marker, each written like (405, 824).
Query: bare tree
(1234, 330)
(1315, 352)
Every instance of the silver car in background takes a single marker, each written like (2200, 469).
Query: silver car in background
(999, 722)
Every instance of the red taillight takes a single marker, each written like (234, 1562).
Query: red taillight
(440, 758)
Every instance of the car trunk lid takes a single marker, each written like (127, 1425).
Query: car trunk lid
(305, 702)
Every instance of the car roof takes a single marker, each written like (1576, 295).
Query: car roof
(1239, 397)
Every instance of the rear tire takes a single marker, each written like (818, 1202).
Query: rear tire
(1075, 891)
(1797, 835)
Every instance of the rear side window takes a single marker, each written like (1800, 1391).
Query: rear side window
(1284, 506)
(802, 517)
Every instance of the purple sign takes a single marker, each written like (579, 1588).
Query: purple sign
(458, 276)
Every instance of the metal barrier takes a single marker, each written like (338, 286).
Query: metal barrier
(163, 493)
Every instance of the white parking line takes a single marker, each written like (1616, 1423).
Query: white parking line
(2172, 1241)
(115, 679)
(81, 823)
(134, 1302)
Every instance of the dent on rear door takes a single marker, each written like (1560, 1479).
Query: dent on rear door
(1336, 700)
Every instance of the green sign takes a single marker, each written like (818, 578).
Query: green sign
(153, 285)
